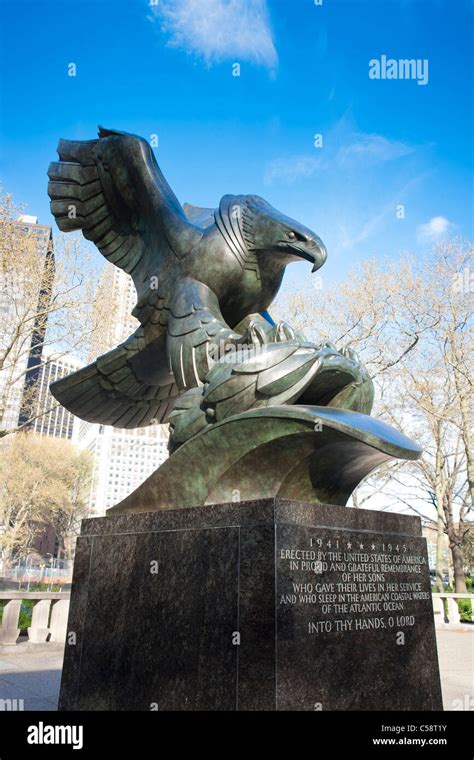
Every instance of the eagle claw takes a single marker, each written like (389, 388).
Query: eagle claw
(254, 336)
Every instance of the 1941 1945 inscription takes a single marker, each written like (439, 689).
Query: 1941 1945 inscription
(373, 583)
(341, 594)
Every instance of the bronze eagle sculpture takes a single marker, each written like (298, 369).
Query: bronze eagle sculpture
(206, 347)
(254, 408)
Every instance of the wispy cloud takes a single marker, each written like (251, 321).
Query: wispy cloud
(356, 232)
(373, 148)
(437, 228)
(357, 148)
(292, 168)
(218, 30)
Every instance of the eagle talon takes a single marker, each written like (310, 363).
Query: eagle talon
(328, 345)
(349, 353)
(254, 336)
(284, 331)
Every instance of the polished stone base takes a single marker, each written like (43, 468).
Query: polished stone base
(263, 605)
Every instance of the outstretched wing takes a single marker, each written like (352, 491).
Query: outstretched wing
(122, 388)
(140, 381)
(114, 191)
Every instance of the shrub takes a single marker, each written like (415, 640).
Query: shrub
(465, 610)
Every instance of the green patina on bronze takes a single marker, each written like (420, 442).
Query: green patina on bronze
(243, 396)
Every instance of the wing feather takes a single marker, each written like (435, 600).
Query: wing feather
(197, 333)
(114, 191)
(111, 391)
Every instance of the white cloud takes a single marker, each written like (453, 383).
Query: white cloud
(371, 147)
(355, 231)
(291, 168)
(435, 229)
(219, 30)
(350, 150)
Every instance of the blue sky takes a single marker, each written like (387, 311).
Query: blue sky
(304, 70)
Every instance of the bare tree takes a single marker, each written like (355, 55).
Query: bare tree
(438, 386)
(47, 299)
(410, 321)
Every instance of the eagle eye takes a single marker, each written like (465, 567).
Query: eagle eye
(291, 235)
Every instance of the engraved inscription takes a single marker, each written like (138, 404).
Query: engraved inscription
(349, 581)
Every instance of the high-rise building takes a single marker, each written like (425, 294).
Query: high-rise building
(116, 297)
(50, 418)
(25, 291)
(122, 459)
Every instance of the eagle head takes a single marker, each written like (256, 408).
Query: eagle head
(269, 232)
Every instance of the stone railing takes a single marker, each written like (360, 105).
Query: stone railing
(451, 615)
(49, 616)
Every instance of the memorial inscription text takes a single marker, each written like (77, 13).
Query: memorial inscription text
(350, 581)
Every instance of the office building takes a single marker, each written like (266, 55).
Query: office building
(25, 289)
(122, 459)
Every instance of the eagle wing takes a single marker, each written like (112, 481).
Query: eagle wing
(139, 382)
(113, 190)
(128, 387)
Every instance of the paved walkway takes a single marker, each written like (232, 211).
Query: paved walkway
(32, 672)
(456, 664)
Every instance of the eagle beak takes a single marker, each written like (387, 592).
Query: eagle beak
(314, 251)
(320, 253)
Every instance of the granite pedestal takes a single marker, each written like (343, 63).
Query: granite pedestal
(264, 605)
